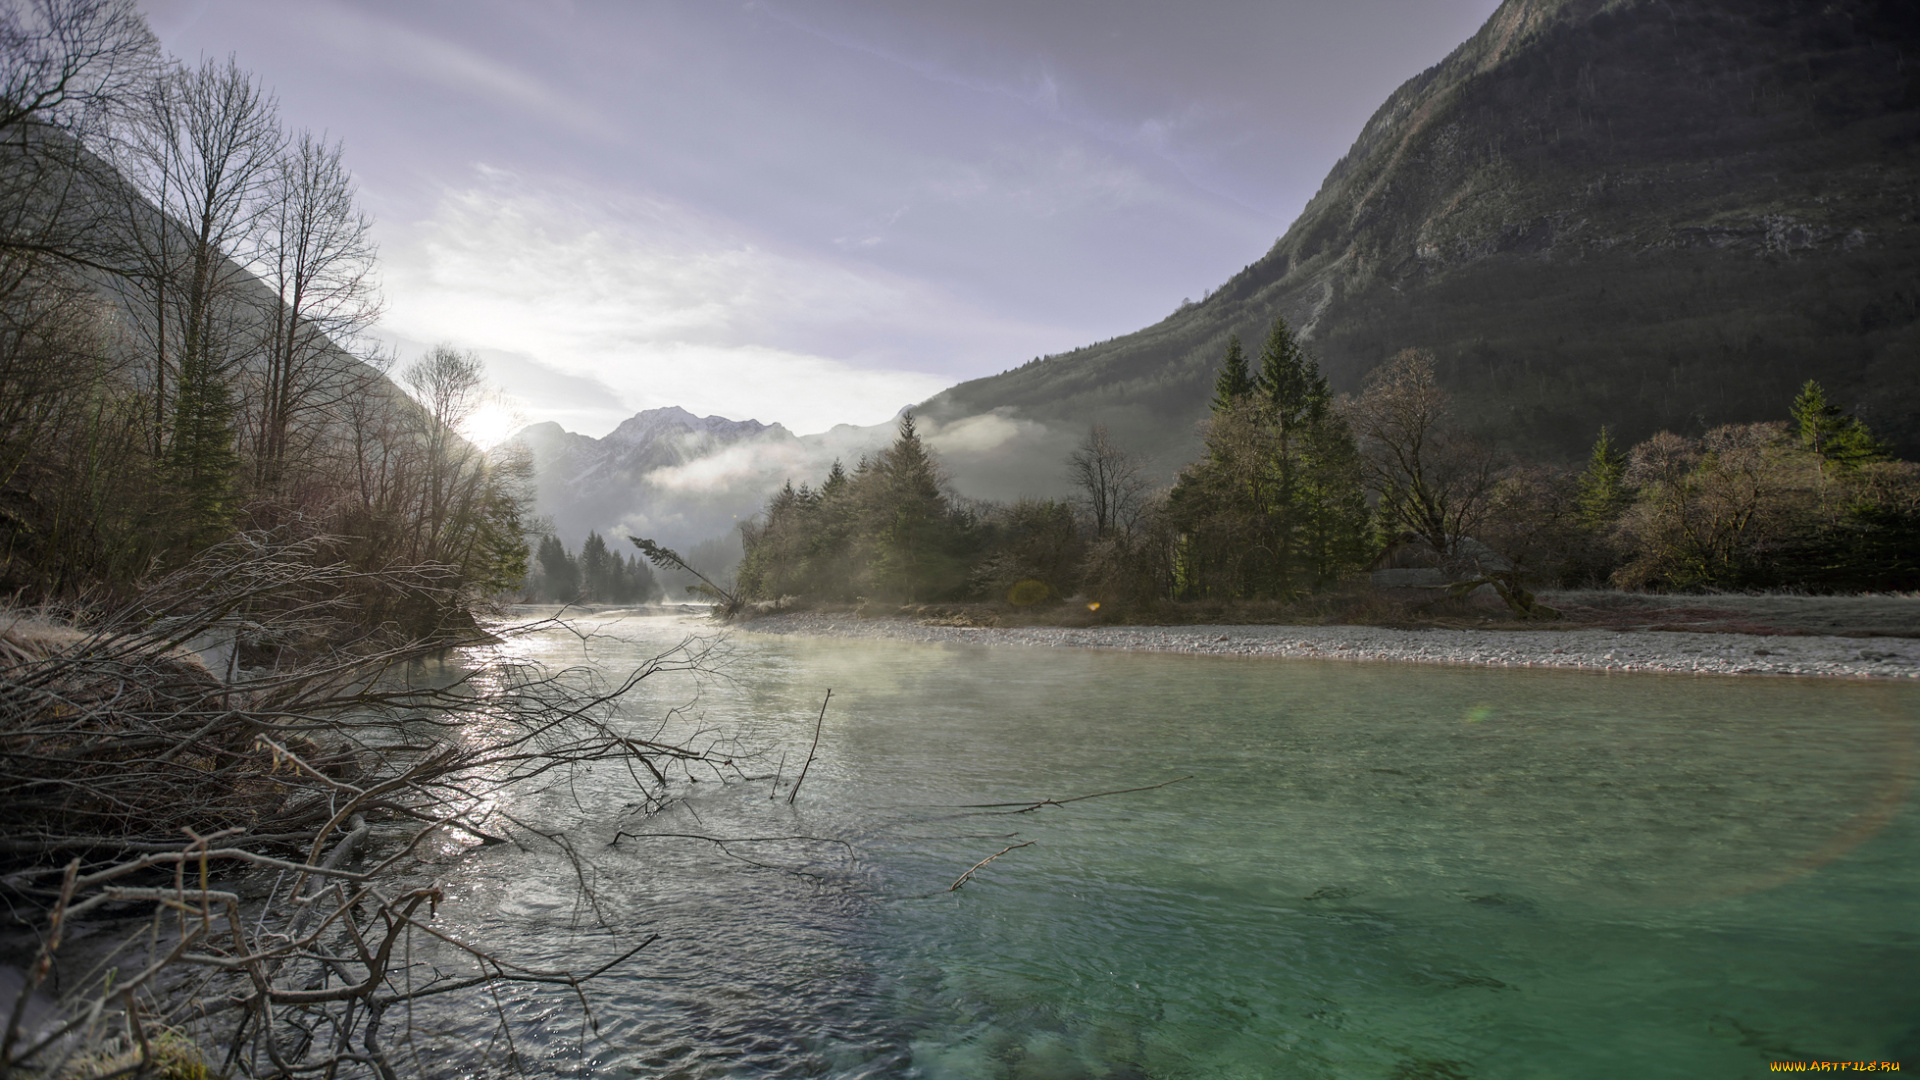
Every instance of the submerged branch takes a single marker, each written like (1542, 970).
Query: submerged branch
(962, 879)
(1027, 807)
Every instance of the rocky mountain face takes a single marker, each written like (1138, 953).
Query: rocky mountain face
(644, 442)
(1643, 213)
(635, 477)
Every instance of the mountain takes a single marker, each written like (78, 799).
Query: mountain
(655, 439)
(663, 473)
(1649, 214)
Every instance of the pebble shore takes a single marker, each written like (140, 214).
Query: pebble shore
(1602, 650)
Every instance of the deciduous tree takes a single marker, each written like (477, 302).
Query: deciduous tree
(1112, 482)
(1433, 480)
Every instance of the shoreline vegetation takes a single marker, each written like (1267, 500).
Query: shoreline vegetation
(1893, 615)
(1300, 495)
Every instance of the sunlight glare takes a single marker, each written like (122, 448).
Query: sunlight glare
(491, 424)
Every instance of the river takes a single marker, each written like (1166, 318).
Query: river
(1369, 870)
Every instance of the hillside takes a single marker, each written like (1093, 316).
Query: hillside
(1650, 215)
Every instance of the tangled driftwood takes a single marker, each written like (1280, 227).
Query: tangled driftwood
(133, 774)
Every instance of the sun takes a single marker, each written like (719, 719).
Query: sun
(491, 424)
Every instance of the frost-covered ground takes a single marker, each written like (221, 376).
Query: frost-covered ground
(1610, 650)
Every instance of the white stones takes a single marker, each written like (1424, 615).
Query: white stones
(1741, 654)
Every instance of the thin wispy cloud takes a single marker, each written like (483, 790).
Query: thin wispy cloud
(377, 40)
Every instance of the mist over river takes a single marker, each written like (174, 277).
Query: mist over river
(1373, 870)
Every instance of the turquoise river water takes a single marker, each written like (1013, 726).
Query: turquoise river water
(1371, 870)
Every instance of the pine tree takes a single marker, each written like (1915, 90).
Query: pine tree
(1333, 524)
(641, 585)
(1234, 383)
(836, 481)
(1290, 382)
(201, 455)
(908, 524)
(1603, 486)
(561, 573)
(597, 568)
(495, 556)
(1276, 507)
(1827, 430)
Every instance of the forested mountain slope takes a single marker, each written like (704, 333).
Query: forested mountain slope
(1644, 214)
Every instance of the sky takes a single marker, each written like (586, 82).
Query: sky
(811, 212)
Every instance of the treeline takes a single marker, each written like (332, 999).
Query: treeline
(597, 575)
(180, 280)
(891, 529)
(1298, 492)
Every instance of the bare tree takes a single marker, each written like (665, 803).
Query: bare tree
(69, 476)
(1112, 482)
(67, 68)
(1710, 508)
(202, 148)
(318, 255)
(1433, 480)
(68, 62)
(449, 385)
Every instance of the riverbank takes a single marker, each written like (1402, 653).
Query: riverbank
(1588, 649)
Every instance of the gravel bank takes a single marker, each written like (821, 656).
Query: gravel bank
(1605, 650)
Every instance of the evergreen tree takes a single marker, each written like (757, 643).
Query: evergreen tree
(1234, 383)
(560, 573)
(1290, 382)
(1310, 493)
(201, 455)
(836, 481)
(1273, 509)
(495, 557)
(829, 553)
(1334, 526)
(1827, 430)
(909, 524)
(642, 586)
(599, 569)
(1603, 486)
(801, 544)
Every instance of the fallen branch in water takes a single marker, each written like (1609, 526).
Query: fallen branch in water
(1028, 807)
(725, 600)
(962, 879)
(795, 793)
(722, 843)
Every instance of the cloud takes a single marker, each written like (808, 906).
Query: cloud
(656, 303)
(979, 434)
(998, 456)
(386, 43)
